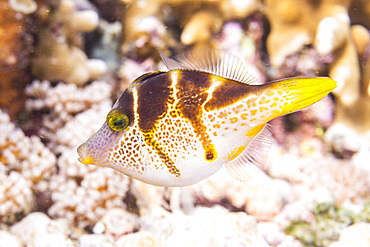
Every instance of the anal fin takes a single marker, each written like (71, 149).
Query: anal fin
(253, 158)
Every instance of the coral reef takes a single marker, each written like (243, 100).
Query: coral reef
(7, 239)
(25, 7)
(86, 203)
(145, 22)
(330, 221)
(16, 44)
(16, 196)
(37, 229)
(326, 26)
(355, 235)
(59, 56)
(24, 165)
(203, 227)
(315, 187)
(63, 102)
(91, 191)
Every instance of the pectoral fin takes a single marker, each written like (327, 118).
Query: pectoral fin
(253, 158)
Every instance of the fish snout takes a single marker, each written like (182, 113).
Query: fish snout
(84, 157)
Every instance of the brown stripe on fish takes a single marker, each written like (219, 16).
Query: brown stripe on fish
(193, 90)
(229, 92)
(154, 99)
(126, 104)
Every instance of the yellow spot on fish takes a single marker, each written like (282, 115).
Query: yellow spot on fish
(253, 112)
(264, 109)
(245, 116)
(233, 120)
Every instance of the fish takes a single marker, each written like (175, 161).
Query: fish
(178, 127)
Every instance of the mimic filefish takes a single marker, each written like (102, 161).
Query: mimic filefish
(178, 127)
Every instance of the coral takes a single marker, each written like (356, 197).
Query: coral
(262, 196)
(23, 6)
(64, 102)
(345, 181)
(326, 27)
(203, 227)
(58, 56)
(329, 222)
(96, 240)
(37, 229)
(15, 196)
(16, 44)
(140, 239)
(147, 197)
(118, 222)
(24, 164)
(7, 239)
(199, 26)
(354, 235)
(313, 194)
(85, 204)
(26, 155)
(274, 236)
(73, 115)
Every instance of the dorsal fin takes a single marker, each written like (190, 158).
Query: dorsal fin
(212, 61)
(253, 158)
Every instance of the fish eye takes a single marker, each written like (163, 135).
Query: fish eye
(117, 120)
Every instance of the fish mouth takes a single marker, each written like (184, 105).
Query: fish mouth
(84, 157)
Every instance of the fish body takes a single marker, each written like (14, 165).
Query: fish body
(183, 125)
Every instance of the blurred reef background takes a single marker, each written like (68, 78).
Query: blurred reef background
(64, 62)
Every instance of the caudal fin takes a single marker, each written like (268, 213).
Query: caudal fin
(299, 92)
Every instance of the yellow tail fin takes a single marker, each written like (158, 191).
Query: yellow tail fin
(300, 92)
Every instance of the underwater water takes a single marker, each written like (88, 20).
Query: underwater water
(65, 62)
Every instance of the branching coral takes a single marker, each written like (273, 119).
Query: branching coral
(82, 194)
(27, 156)
(27, 162)
(63, 102)
(24, 159)
(99, 191)
(58, 55)
(15, 196)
